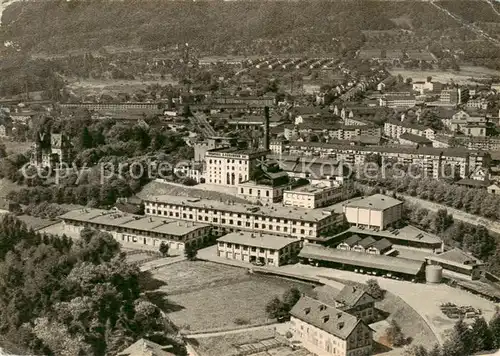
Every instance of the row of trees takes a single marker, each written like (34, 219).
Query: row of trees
(61, 297)
(465, 339)
(471, 200)
(473, 238)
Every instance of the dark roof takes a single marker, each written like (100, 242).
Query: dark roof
(350, 295)
(367, 241)
(352, 240)
(380, 262)
(473, 183)
(325, 317)
(415, 138)
(128, 208)
(382, 245)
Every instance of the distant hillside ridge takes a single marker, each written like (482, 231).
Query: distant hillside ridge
(55, 26)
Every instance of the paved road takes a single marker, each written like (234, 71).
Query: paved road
(464, 23)
(493, 7)
(425, 299)
(279, 327)
(155, 264)
(200, 120)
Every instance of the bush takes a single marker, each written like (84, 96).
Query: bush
(241, 321)
(189, 182)
(394, 334)
(374, 289)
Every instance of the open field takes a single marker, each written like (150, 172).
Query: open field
(114, 86)
(158, 188)
(228, 293)
(464, 76)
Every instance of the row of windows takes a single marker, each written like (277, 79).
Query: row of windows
(227, 214)
(245, 248)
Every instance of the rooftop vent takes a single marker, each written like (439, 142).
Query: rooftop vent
(322, 307)
(339, 315)
(307, 310)
(340, 325)
(326, 318)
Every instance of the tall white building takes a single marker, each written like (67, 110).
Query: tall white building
(230, 166)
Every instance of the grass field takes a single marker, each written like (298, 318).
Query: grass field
(114, 86)
(464, 76)
(226, 294)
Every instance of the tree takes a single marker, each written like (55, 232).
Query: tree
(495, 328)
(373, 289)
(86, 139)
(481, 335)
(459, 343)
(190, 252)
(394, 334)
(164, 249)
(416, 350)
(276, 308)
(291, 297)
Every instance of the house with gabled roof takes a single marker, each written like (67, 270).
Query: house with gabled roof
(324, 329)
(353, 300)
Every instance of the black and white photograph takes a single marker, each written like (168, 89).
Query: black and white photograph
(249, 177)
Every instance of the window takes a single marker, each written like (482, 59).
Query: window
(221, 244)
(215, 219)
(302, 231)
(270, 261)
(238, 223)
(271, 252)
(285, 229)
(229, 245)
(223, 221)
(254, 249)
(256, 225)
(267, 193)
(262, 250)
(245, 248)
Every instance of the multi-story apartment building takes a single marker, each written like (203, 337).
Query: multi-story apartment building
(137, 229)
(398, 101)
(326, 330)
(231, 166)
(251, 101)
(394, 129)
(454, 95)
(334, 131)
(306, 224)
(313, 196)
(111, 106)
(431, 160)
(263, 249)
(480, 143)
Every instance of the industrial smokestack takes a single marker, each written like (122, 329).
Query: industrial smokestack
(266, 128)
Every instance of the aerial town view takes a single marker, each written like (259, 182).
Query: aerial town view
(249, 177)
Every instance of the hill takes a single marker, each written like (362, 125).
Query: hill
(245, 27)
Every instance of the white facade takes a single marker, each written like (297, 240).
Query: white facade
(313, 196)
(263, 194)
(231, 167)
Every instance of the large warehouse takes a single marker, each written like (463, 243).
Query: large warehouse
(374, 212)
(349, 260)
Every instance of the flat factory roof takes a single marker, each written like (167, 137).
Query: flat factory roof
(361, 259)
(377, 201)
(130, 221)
(407, 233)
(294, 213)
(257, 240)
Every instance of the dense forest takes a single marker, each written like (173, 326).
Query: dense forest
(218, 27)
(64, 297)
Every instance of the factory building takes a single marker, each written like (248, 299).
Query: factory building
(138, 229)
